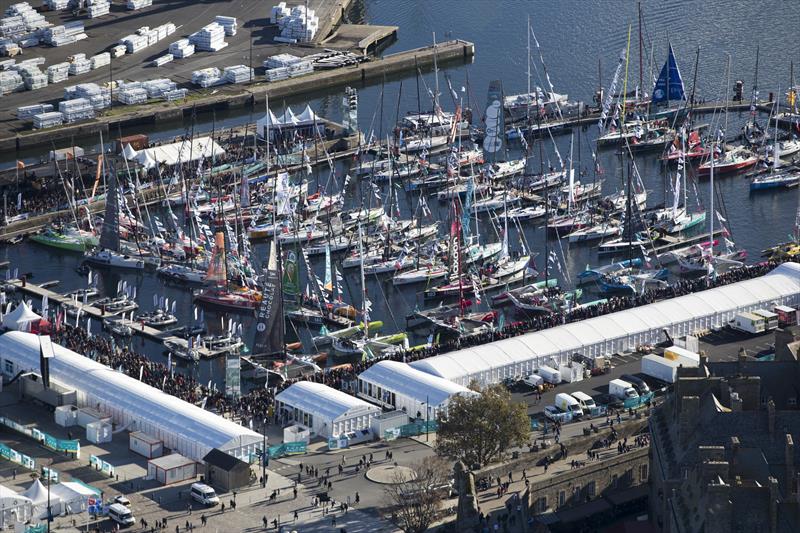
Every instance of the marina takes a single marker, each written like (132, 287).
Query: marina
(263, 237)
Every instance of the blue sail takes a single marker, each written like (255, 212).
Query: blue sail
(669, 85)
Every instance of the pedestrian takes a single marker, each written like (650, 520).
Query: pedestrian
(222, 507)
(294, 490)
(358, 498)
(203, 520)
(189, 508)
(14, 474)
(295, 516)
(265, 521)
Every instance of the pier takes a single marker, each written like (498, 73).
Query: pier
(245, 95)
(100, 314)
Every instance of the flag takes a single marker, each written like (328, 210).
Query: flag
(720, 218)
(19, 201)
(141, 372)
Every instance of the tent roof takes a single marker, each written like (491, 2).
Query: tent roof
(37, 492)
(401, 378)
(179, 152)
(21, 315)
(128, 152)
(767, 290)
(8, 493)
(142, 402)
(288, 120)
(323, 401)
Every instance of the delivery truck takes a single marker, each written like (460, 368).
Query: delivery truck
(550, 375)
(568, 404)
(621, 389)
(749, 323)
(660, 368)
(770, 319)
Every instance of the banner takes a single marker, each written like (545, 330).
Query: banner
(233, 375)
(100, 465)
(340, 443)
(269, 330)
(287, 448)
(52, 474)
(391, 434)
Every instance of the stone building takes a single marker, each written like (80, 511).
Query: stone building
(596, 492)
(722, 450)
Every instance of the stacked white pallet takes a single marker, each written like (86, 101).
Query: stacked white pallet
(229, 23)
(182, 48)
(12, 27)
(67, 34)
(132, 95)
(157, 88)
(139, 4)
(80, 66)
(85, 90)
(163, 60)
(210, 38)
(277, 74)
(32, 77)
(58, 72)
(301, 24)
(100, 101)
(32, 19)
(7, 64)
(56, 5)
(118, 50)
(27, 112)
(98, 8)
(100, 60)
(281, 60)
(278, 12)
(177, 94)
(47, 120)
(10, 82)
(134, 43)
(206, 77)
(239, 74)
(301, 68)
(29, 41)
(76, 109)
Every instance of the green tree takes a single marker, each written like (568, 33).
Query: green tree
(478, 429)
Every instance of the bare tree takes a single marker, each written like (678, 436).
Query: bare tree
(415, 502)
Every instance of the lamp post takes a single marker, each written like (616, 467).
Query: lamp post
(264, 455)
(427, 418)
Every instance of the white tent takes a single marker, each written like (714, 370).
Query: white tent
(20, 319)
(128, 152)
(307, 116)
(37, 493)
(179, 152)
(327, 411)
(183, 427)
(14, 507)
(616, 332)
(288, 120)
(74, 496)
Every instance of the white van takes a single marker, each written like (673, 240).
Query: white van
(568, 404)
(121, 514)
(204, 494)
(585, 401)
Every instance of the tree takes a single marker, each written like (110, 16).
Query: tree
(415, 500)
(478, 429)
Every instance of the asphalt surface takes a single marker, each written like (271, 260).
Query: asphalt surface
(187, 15)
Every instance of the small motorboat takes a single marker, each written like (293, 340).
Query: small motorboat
(116, 305)
(157, 319)
(117, 327)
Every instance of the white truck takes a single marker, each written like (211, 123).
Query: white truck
(585, 401)
(770, 319)
(533, 380)
(749, 323)
(550, 375)
(660, 368)
(621, 389)
(568, 404)
(682, 356)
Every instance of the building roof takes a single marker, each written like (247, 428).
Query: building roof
(173, 460)
(401, 378)
(771, 289)
(176, 153)
(323, 401)
(141, 401)
(224, 461)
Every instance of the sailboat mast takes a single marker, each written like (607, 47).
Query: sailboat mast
(528, 110)
(364, 303)
(641, 87)
(546, 199)
(436, 76)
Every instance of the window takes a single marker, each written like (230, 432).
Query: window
(540, 505)
(9, 367)
(643, 473)
(590, 489)
(614, 481)
(562, 498)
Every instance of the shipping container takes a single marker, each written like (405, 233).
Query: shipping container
(660, 368)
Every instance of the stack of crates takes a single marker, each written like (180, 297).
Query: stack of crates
(99, 97)
(182, 48)
(98, 8)
(11, 82)
(163, 60)
(134, 43)
(100, 60)
(228, 23)
(32, 77)
(177, 94)
(32, 20)
(76, 109)
(58, 72)
(210, 38)
(277, 74)
(118, 50)
(157, 88)
(69, 33)
(301, 24)
(132, 95)
(47, 120)
(56, 5)
(79, 65)
(281, 60)
(239, 74)
(27, 112)
(278, 12)
(301, 68)
(206, 77)
(139, 4)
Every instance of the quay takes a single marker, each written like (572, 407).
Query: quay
(245, 95)
(100, 314)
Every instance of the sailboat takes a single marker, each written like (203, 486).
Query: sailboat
(70, 239)
(109, 254)
(669, 85)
